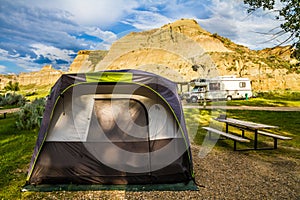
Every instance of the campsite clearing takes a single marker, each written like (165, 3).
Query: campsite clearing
(223, 172)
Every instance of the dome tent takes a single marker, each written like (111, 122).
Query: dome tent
(112, 128)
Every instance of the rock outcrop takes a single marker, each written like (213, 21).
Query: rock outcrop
(4, 79)
(182, 51)
(46, 76)
(86, 60)
(174, 49)
(170, 51)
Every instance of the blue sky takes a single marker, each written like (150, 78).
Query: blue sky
(35, 33)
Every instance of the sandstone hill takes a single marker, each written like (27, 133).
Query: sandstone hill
(175, 50)
(86, 60)
(47, 76)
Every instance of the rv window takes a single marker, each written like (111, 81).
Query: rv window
(214, 86)
(242, 84)
(195, 89)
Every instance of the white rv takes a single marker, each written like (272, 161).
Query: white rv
(221, 87)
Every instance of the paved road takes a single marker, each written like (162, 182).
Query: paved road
(245, 108)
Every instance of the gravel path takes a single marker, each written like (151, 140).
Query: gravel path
(11, 110)
(222, 174)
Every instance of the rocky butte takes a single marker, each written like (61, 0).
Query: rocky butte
(177, 49)
(46, 76)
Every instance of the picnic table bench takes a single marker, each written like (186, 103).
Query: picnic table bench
(256, 128)
(274, 136)
(235, 138)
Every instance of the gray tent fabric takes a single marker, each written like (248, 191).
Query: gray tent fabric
(121, 127)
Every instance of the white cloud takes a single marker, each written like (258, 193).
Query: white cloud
(106, 36)
(51, 52)
(90, 12)
(3, 54)
(2, 68)
(145, 20)
(232, 20)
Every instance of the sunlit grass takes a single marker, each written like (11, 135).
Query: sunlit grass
(288, 122)
(16, 148)
(256, 102)
(33, 91)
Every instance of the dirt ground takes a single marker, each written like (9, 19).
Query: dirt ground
(221, 174)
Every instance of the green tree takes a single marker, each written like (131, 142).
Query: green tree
(289, 14)
(12, 86)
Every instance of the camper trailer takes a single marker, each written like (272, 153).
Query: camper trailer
(218, 88)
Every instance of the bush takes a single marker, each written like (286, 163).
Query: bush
(30, 114)
(12, 99)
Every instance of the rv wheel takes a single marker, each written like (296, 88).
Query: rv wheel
(229, 98)
(194, 99)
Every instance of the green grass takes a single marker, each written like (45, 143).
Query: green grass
(260, 102)
(280, 95)
(33, 91)
(8, 107)
(264, 102)
(265, 99)
(16, 148)
(288, 122)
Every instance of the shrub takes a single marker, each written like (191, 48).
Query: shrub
(12, 86)
(12, 99)
(30, 114)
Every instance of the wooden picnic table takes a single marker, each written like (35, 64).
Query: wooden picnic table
(251, 126)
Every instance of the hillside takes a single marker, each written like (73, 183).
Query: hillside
(173, 49)
(47, 76)
(86, 60)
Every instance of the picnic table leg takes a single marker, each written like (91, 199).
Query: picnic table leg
(226, 127)
(255, 139)
(275, 143)
(234, 145)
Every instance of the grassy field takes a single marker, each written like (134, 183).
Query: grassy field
(266, 99)
(261, 102)
(16, 147)
(288, 122)
(32, 92)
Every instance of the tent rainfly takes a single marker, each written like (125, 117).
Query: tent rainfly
(112, 127)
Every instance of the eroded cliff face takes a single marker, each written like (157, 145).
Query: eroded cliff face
(170, 51)
(174, 49)
(86, 60)
(4, 79)
(46, 76)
